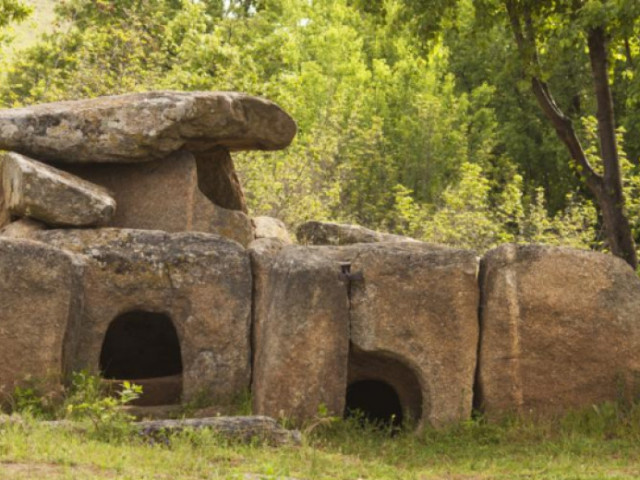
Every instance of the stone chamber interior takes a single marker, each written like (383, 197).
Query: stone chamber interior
(144, 347)
(382, 389)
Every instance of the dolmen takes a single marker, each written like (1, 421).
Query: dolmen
(126, 249)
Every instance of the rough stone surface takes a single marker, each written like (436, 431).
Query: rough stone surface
(23, 228)
(269, 227)
(560, 329)
(414, 324)
(302, 350)
(5, 215)
(201, 282)
(140, 127)
(40, 305)
(57, 198)
(218, 180)
(164, 195)
(326, 233)
(263, 253)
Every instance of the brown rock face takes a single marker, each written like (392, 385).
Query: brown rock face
(57, 198)
(140, 127)
(560, 329)
(23, 228)
(144, 288)
(218, 180)
(326, 233)
(414, 326)
(302, 347)
(164, 195)
(40, 297)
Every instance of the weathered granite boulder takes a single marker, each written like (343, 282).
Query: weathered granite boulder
(560, 329)
(40, 308)
(414, 325)
(269, 227)
(57, 198)
(140, 127)
(164, 195)
(22, 228)
(302, 347)
(200, 282)
(327, 233)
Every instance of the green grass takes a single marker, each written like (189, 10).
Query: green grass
(595, 444)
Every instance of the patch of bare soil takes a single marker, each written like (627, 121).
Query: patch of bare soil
(50, 471)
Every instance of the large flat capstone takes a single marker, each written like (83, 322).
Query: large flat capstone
(140, 127)
(33, 189)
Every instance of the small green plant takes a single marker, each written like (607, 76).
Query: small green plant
(89, 398)
(36, 397)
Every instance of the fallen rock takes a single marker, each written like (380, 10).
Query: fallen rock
(22, 228)
(301, 353)
(199, 283)
(243, 429)
(140, 127)
(559, 330)
(165, 195)
(326, 233)
(269, 227)
(40, 305)
(57, 198)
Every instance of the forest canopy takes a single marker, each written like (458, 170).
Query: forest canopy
(415, 116)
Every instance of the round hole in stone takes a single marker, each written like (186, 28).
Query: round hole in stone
(384, 387)
(376, 401)
(144, 347)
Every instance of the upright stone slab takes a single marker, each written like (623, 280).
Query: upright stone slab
(201, 282)
(560, 329)
(33, 189)
(414, 325)
(301, 352)
(40, 306)
(164, 195)
(140, 127)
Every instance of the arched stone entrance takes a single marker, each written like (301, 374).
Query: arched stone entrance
(383, 389)
(144, 347)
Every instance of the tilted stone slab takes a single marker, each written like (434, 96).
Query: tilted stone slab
(140, 127)
(201, 282)
(40, 308)
(560, 329)
(33, 189)
(414, 325)
(165, 195)
(302, 337)
(328, 233)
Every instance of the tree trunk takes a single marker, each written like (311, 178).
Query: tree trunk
(611, 200)
(607, 188)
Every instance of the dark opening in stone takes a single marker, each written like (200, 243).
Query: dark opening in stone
(144, 347)
(376, 401)
(384, 388)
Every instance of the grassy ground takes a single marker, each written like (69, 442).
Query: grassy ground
(601, 443)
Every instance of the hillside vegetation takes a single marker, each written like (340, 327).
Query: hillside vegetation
(418, 123)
